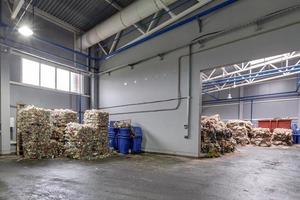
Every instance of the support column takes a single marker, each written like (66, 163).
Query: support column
(94, 91)
(299, 113)
(241, 105)
(4, 104)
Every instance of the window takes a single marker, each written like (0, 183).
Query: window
(40, 74)
(30, 72)
(63, 80)
(76, 82)
(47, 76)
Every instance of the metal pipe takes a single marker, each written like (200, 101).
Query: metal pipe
(254, 97)
(125, 18)
(17, 51)
(38, 50)
(188, 103)
(179, 98)
(244, 25)
(52, 43)
(143, 103)
(171, 27)
(172, 20)
(251, 110)
(196, 52)
(157, 18)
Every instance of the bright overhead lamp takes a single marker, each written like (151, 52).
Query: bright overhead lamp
(25, 31)
(229, 96)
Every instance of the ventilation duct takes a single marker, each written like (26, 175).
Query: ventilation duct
(130, 15)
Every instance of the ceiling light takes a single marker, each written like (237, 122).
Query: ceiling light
(229, 96)
(25, 30)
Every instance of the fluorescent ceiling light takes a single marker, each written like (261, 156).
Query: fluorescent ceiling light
(25, 30)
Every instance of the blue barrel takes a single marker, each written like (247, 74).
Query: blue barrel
(124, 140)
(137, 140)
(113, 138)
(111, 123)
(296, 138)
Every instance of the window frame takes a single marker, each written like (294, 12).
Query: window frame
(21, 74)
(40, 63)
(41, 66)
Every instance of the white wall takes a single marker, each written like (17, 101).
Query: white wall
(164, 130)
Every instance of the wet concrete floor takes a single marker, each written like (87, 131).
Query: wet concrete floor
(250, 173)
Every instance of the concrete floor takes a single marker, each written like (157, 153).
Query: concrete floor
(250, 173)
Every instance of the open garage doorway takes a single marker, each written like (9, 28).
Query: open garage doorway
(255, 102)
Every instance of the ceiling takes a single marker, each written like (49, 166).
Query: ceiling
(82, 14)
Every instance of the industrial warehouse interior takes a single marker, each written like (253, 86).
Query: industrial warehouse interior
(150, 99)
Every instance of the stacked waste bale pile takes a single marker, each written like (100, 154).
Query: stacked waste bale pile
(122, 124)
(34, 130)
(241, 130)
(82, 141)
(261, 137)
(216, 138)
(60, 119)
(282, 136)
(99, 120)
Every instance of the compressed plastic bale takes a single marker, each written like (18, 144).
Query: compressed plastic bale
(99, 120)
(282, 136)
(122, 124)
(216, 138)
(261, 137)
(96, 118)
(56, 149)
(241, 131)
(34, 129)
(60, 119)
(82, 141)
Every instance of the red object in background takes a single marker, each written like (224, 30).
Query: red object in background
(275, 123)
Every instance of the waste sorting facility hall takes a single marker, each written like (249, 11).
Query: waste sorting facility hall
(150, 99)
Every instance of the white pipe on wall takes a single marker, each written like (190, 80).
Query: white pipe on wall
(130, 15)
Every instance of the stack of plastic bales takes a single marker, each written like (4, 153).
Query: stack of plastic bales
(34, 130)
(60, 119)
(282, 136)
(261, 137)
(216, 138)
(82, 141)
(99, 120)
(240, 131)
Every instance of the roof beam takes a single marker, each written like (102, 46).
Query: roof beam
(153, 21)
(16, 8)
(167, 9)
(54, 20)
(115, 42)
(102, 48)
